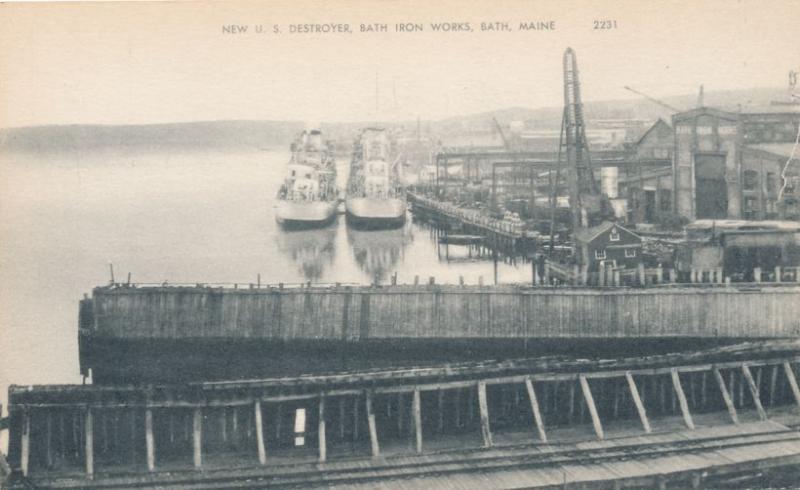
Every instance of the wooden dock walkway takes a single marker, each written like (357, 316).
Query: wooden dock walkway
(470, 217)
(681, 459)
(501, 235)
(635, 421)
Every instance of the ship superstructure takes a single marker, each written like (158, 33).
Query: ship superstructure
(375, 196)
(309, 195)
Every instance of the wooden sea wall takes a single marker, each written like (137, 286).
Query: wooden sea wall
(439, 312)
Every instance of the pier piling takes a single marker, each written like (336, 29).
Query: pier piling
(197, 437)
(606, 391)
(322, 442)
(373, 430)
(486, 432)
(754, 392)
(676, 383)
(640, 409)
(341, 418)
(773, 381)
(149, 439)
(589, 399)
(25, 444)
(88, 426)
(416, 408)
(537, 416)
(48, 439)
(792, 382)
(262, 453)
(726, 396)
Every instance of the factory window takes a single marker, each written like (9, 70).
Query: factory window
(750, 180)
(750, 208)
(665, 199)
(614, 236)
(600, 254)
(630, 252)
(771, 183)
(790, 184)
(770, 210)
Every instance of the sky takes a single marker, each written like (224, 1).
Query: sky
(139, 63)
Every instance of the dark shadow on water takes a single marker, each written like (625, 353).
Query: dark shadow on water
(313, 250)
(378, 252)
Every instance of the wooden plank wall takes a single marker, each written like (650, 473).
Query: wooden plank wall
(347, 313)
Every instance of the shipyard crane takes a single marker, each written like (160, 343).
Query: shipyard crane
(499, 129)
(656, 101)
(584, 196)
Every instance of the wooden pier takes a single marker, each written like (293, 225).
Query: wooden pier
(682, 416)
(451, 239)
(174, 333)
(346, 313)
(501, 235)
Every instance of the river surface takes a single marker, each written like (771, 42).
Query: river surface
(181, 217)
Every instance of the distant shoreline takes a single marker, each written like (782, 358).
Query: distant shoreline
(271, 134)
(159, 137)
(137, 149)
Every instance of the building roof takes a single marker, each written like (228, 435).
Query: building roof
(586, 235)
(771, 109)
(783, 150)
(648, 174)
(730, 224)
(733, 113)
(659, 123)
(692, 113)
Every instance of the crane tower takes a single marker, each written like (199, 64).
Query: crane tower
(583, 192)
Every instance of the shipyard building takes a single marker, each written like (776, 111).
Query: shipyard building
(736, 165)
(648, 188)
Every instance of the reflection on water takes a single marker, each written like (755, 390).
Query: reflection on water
(378, 252)
(313, 251)
(177, 216)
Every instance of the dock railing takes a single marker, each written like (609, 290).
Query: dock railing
(607, 275)
(472, 217)
(553, 274)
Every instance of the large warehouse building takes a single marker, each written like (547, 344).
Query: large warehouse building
(736, 165)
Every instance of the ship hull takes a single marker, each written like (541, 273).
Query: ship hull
(295, 215)
(373, 214)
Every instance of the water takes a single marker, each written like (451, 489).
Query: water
(176, 216)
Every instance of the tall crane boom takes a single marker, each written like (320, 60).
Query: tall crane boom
(500, 132)
(653, 99)
(584, 194)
